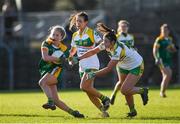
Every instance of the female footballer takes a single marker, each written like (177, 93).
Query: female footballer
(130, 62)
(162, 51)
(50, 67)
(128, 40)
(83, 40)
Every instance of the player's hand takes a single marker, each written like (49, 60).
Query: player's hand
(158, 61)
(91, 75)
(73, 60)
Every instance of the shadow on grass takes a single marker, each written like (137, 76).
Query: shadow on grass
(30, 115)
(176, 118)
(160, 118)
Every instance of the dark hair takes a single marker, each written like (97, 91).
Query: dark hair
(107, 32)
(72, 18)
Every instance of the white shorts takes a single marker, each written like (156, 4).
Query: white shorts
(89, 63)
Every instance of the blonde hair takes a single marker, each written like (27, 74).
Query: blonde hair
(163, 26)
(59, 29)
(121, 22)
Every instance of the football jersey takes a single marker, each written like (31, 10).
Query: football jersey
(126, 39)
(84, 42)
(163, 44)
(128, 57)
(62, 50)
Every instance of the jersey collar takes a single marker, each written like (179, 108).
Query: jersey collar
(85, 30)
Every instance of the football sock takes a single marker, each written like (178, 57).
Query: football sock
(102, 97)
(50, 100)
(141, 90)
(132, 109)
(70, 111)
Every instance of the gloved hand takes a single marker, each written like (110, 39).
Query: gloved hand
(158, 61)
(91, 75)
(73, 60)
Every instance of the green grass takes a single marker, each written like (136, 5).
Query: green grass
(25, 107)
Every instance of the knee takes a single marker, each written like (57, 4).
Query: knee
(119, 84)
(125, 91)
(42, 82)
(84, 88)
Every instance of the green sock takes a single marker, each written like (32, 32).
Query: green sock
(100, 108)
(70, 111)
(132, 109)
(102, 97)
(141, 90)
(50, 100)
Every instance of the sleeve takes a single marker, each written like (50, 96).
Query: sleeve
(116, 54)
(44, 45)
(97, 38)
(132, 41)
(73, 43)
(101, 46)
(66, 53)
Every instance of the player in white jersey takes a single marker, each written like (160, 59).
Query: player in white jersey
(123, 35)
(126, 58)
(83, 40)
(128, 39)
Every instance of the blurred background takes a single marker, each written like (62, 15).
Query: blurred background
(24, 25)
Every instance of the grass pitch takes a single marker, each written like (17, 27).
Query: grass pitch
(25, 107)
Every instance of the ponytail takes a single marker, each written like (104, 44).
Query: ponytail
(107, 32)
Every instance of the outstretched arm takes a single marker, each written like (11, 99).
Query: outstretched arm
(107, 69)
(90, 53)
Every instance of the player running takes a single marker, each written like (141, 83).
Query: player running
(50, 67)
(162, 51)
(84, 39)
(130, 62)
(128, 40)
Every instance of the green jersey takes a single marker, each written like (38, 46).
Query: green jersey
(163, 45)
(50, 67)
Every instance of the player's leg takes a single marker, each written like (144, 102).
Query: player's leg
(93, 99)
(86, 85)
(121, 77)
(128, 89)
(59, 103)
(43, 85)
(43, 82)
(167, 74)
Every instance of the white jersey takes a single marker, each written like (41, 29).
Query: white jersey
(127, 39)
(128, 57)
(84, 42)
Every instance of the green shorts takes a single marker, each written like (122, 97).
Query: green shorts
(57, 72)
(166, 62)
(136, 71)
(86, 71)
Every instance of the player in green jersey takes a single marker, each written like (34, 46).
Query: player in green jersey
(162, 51)
(53, 53)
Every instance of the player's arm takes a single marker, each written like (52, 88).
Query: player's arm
(172, 48)
(72, 51)
(107, 69)
(155, 50)
(46, 57)
(90, 53)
